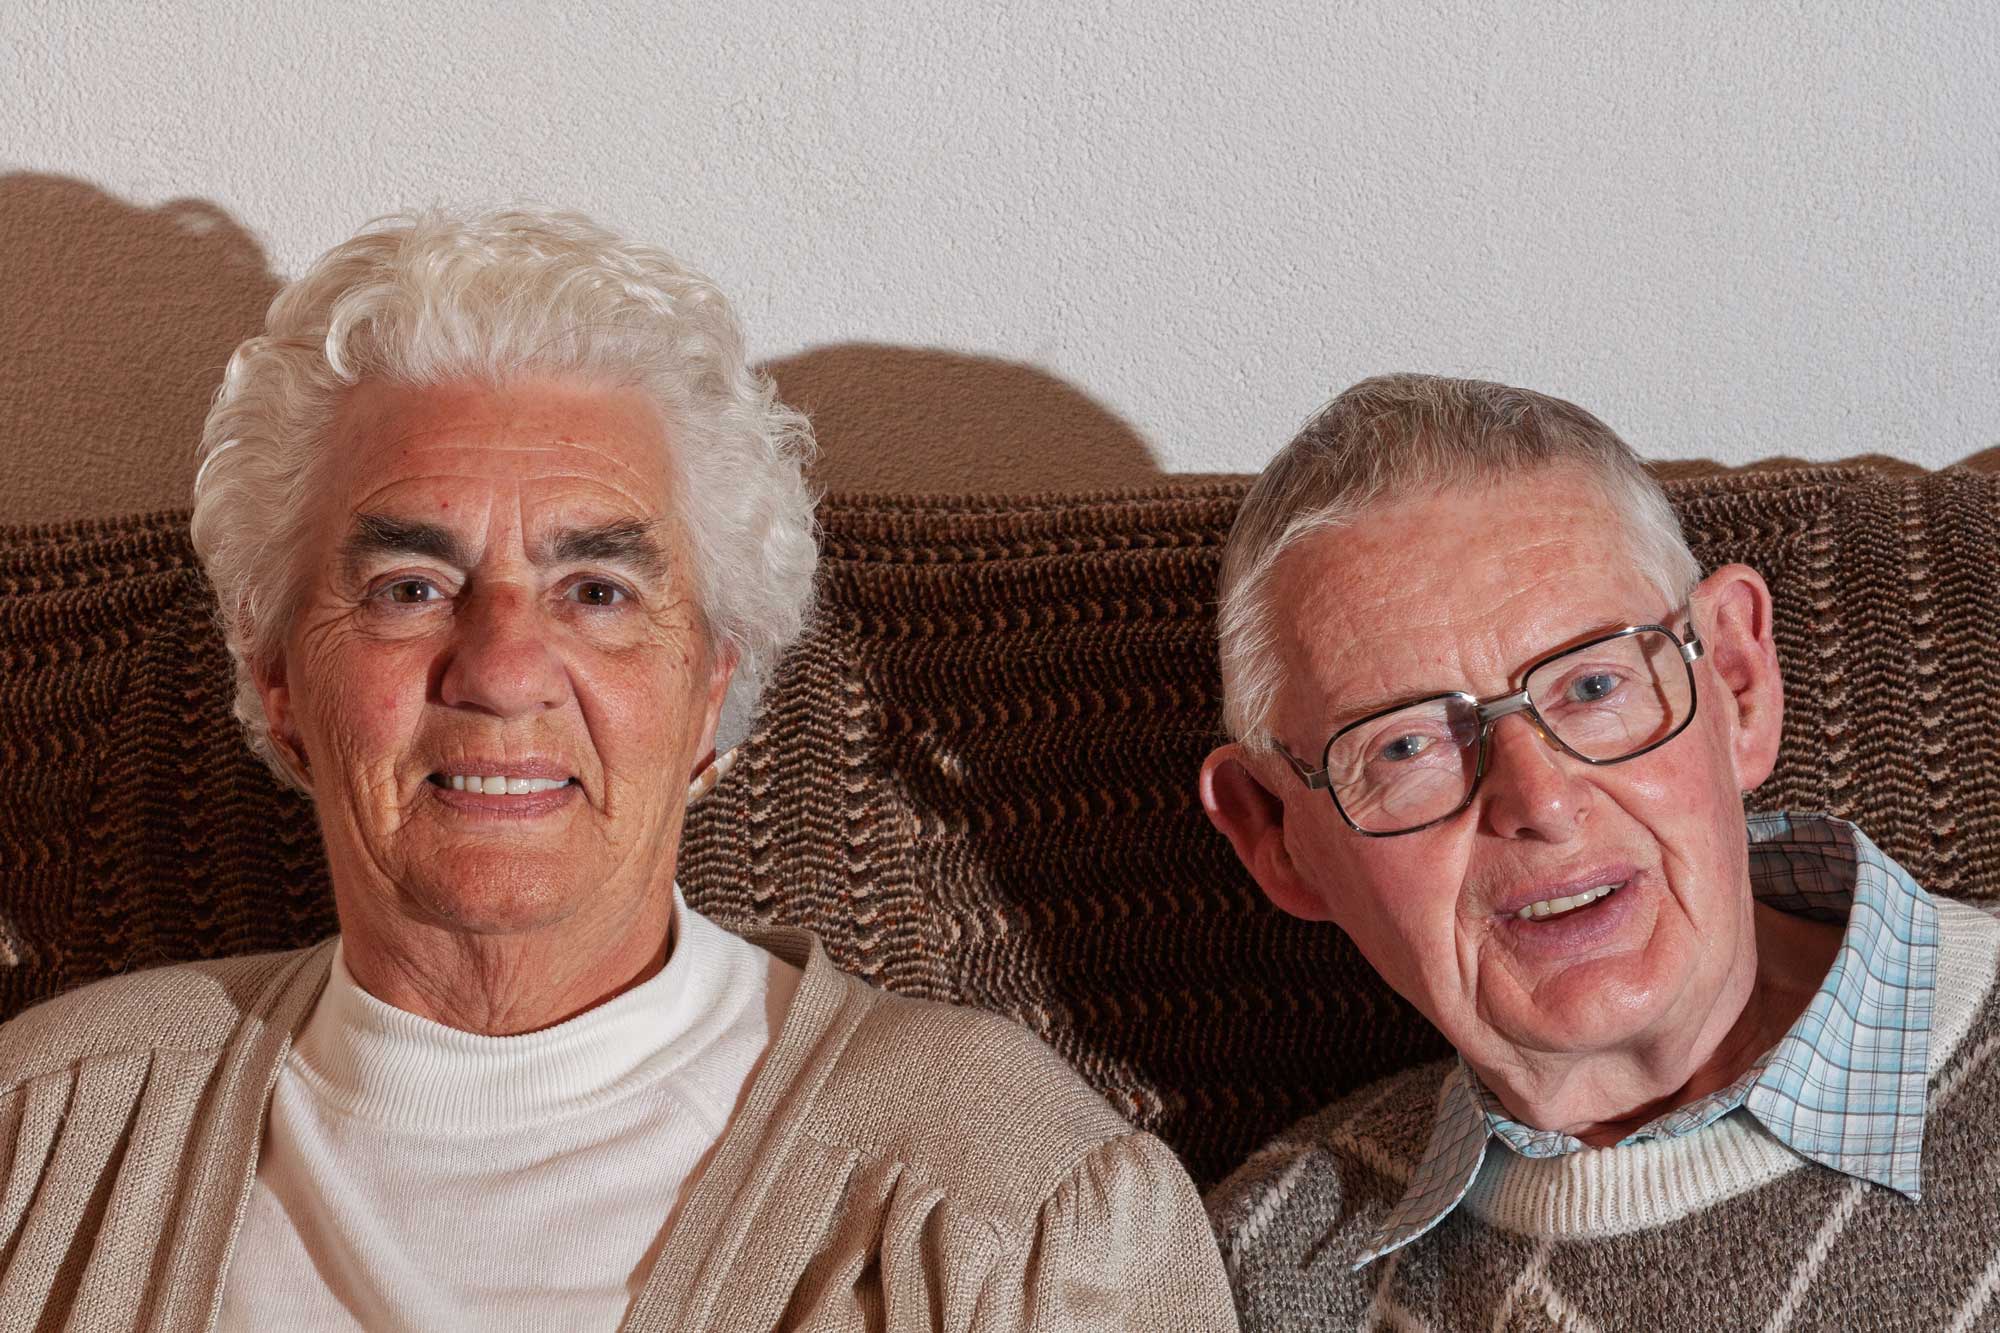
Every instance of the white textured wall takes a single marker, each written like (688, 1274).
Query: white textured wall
(1060, 244)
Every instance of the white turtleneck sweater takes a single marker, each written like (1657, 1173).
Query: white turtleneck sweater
(414, 1176)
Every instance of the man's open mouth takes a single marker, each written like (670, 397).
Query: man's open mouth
(1575, 902)
(496, 784)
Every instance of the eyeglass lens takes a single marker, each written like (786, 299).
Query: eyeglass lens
(1603, 702)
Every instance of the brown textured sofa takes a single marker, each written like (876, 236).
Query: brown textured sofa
(974, 777)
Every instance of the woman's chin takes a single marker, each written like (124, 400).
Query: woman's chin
(494, 893)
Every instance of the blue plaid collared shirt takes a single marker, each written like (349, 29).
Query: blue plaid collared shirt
(1846, 1087)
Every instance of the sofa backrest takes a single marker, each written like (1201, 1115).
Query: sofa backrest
(974, 777)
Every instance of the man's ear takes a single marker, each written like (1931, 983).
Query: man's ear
(1733, 611)
(1252, 817)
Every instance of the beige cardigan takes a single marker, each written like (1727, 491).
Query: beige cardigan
(896, 1165)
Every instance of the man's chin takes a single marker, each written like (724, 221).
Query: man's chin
(1604, 1006)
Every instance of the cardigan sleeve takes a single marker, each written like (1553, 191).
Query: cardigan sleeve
(1122, 1243)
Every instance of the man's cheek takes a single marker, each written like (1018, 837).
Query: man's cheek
(1653, 790)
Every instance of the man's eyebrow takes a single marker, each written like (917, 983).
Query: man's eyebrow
(1355, 710)
(628, 542)
(375, 535)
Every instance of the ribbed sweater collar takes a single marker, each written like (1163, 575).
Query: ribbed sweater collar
(376, 1062)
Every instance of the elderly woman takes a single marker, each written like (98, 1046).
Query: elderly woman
(494, 511)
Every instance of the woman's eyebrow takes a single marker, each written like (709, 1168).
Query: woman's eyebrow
(628, 542)
(377, 535)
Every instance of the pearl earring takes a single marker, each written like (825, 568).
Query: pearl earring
(705, 781)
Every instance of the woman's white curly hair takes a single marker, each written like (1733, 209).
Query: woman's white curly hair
(437, 297)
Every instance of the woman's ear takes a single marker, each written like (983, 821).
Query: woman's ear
(280, 722)
(1733, 615)
(723, 659)
(1252, 817)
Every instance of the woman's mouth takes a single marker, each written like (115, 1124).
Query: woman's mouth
(507, 797)
(497, 784)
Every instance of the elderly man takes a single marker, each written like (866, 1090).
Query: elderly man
(1490, 721)
(494, 510)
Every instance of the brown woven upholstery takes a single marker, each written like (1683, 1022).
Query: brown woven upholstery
(975, 777)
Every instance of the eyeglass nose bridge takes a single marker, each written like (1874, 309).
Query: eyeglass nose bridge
(1490, 711)
(1487, 713)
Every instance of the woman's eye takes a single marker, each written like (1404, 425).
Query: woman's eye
(411, 591)
(596, 592)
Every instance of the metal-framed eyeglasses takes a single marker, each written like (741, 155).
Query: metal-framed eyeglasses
(1416, 764)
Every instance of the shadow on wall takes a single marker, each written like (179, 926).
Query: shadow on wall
(915, 421)
(115, 324)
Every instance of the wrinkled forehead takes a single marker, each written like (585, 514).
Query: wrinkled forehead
(511, 429)
(1449, 591)
(558, 445)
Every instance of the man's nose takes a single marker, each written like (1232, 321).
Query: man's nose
(501, 660)
(1532, 788)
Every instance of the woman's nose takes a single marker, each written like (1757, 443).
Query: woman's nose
(501, 659)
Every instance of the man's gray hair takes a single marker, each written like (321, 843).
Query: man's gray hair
(1399, 435)
(435, 297)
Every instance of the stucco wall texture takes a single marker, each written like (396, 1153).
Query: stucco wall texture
(1051, 245)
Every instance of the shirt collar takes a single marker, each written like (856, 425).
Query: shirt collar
(1846, 1086)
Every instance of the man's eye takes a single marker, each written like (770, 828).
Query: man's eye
(1593, 687)
(411, 591)
(1405, 747)
(596, 592)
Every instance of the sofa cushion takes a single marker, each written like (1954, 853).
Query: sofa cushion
(974, 776)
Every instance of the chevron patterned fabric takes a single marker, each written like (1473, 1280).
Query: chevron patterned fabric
(974, 777)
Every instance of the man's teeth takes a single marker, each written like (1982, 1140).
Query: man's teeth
(503, 786)
(1557, 906)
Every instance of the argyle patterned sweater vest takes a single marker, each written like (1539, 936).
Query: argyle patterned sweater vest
(1724, 1228)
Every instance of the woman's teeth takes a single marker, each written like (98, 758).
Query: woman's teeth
(1557, 906)
(503, 786)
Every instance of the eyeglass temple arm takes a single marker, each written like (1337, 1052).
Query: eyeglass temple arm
(1692, 648)
(1315, 779)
